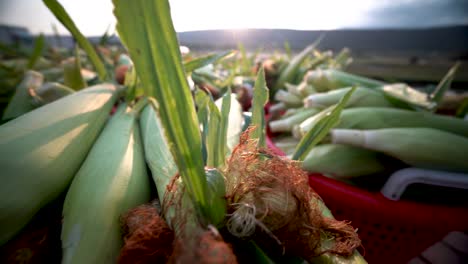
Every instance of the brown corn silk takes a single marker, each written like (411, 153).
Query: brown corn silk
(203, 247)
(194, 243)
(148, 238)
(271, 194)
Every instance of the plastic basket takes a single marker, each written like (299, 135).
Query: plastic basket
(391, 231)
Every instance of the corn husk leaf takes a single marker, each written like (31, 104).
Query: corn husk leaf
(234, 123)
(20, 103)
(206, 60)
(260, 99)
(38, 48)
(322, 127)
(72, 73)
(146, 29)
(444, 85)
(289, 72)
(105, 189)
(41, 151)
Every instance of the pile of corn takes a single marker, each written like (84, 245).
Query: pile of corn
(81, 131)
(382, 124)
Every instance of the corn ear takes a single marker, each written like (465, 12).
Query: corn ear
(286, 144)
(20, 103)
(305, 89)
(287, 124)
(161, 163)
(112, 180)
(163, 168)
(53, 74)
(379, 117)
(299, 130)
(48, 93)
(361, 97)
(419, 147)
(293, 89)
(291, 111)
(329, 79)
(342, 161)
(21, 64)
(157, 153)
(406, 96)
(288, 98)
(41, 151)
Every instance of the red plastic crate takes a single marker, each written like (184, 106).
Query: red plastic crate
(391, 231)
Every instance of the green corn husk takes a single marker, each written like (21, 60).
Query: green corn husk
(298, 131)
(361, 97)
(41, 151)
(291, 111)
(286, 144)
(342, 161)
(418, 147)
(293, 89)
(291, 69)
(21, 64)
(235, 122)
(52, 74)
(72, 74)
(164, 168)
(329, 79)
(287, 124)
(157, 153)
(112, 180)
(305, 89)
(20, 103)
(48, 93)
(288, 98)
(406, 96)
(377, 117)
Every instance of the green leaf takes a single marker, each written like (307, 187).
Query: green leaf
(201, 100)
(203, 61)
(214, 123)
(157, 153)
(105, 37)
(244, 60)
(287, 49)
(146, 29)
(290, 71)
(58, 39)
(235, 121)
(59, 12)
(217, 189)
(462, 110)
(131, 82)
(72, 73)
(39, 45)
(260, 99)
(437, 95)
(215, 148)
(330, 118)
(223, 132)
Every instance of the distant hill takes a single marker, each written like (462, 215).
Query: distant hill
(448, 41)
(452, 40)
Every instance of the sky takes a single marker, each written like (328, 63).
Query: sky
(93, 17)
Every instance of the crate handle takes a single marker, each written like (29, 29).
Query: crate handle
(400, 180)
